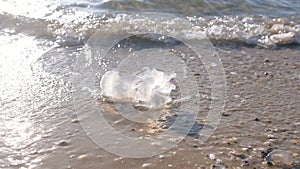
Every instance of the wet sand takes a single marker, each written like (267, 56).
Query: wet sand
(261, 113)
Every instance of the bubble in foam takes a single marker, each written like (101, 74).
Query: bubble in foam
(149, 88)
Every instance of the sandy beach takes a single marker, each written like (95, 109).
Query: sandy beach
(261, 115)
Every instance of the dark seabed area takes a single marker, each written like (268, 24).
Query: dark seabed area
(43, 41)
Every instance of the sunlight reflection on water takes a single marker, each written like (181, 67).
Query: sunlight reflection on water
(18, 132)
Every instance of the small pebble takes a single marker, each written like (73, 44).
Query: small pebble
(170, 165)
(270, 136)
(146, 165)
(75, 121)
(212, 156)
(226, 114)
(63, 143)
(83, 156)
(219, 161)
(294, 142)
(267, 60)
(161, 156)
(195, 145)
(256, 119)
(245, 149)
(245, 164)
(119, 158)
(233, 140)
(264, 163)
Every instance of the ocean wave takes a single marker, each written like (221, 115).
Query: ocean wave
(75, 27)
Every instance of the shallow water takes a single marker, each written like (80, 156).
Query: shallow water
(41, 40)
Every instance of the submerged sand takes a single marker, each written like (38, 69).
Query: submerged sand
(261, 114)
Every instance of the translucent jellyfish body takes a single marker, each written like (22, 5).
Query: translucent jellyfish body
(149, 88)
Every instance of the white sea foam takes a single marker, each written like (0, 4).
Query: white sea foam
(149, 88)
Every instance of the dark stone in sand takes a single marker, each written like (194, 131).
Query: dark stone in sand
(256, 119)
(245, 164)
(225, 114)
(217, 167)
(63, 143)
